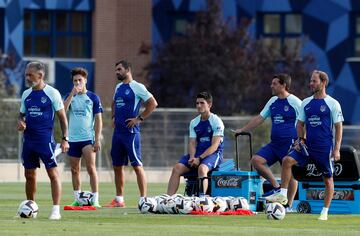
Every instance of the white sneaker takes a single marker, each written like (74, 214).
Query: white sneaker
(277, 197)
(323, 217)
(55, 216)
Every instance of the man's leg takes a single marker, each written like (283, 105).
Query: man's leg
(55, 192)
(119, 180)
(30, 185)
(141, 180)
(293, 184)
(90, 160)
(329, 193)
(174, 181)
(260, 164)
(75, 173)
(203, 171)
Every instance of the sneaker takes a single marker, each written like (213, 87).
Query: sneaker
(96, 204)
(75, 203)
(55, 216)
(289, 210)
(277, 197)
(271, 192)
(114, 203)
(323, 217)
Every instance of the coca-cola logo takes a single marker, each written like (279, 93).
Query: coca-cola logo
(228, 181)
(312, 171)
(319, 194)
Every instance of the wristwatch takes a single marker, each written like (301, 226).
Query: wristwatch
(139, 117)
(65, 138)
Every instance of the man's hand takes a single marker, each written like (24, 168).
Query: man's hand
(336, 154)
(21, 126)
(96, 146)
(131, 122)
(64, 146)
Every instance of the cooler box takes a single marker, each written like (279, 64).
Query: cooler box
(346, 198)
(245, 184)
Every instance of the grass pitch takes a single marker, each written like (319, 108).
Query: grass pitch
(128, 221)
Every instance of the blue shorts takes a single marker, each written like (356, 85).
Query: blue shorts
(275, 152)
(126, 147)
(75, 149)
(34, 151)
(320, 157)
(212, 161)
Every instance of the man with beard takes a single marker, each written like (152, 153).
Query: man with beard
(283, 108)
(126, 146)
(319, 114)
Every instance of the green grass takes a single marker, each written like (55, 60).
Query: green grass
(128, 221)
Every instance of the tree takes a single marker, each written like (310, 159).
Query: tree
(229, 63)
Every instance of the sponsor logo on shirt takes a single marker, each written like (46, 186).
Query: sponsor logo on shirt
(204, 139)
(119, 102)
(278, 119)
(314, 121)
(35, 111)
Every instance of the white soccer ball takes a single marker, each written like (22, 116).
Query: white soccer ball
(161, 203)
(205, 204)
(185, 206)
(170, 206)
(275, 211)
(147, 205)
(239, 203)
(220, 204)
(28, 209)
(85, 198)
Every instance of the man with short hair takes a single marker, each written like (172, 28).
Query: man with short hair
(126, 145)
(206, 135)
(85, 126)
(39, 104)
(283, 109)
(319, 114)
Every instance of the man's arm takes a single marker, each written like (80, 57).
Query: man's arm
(64, 129)
(338, 139)
(253, 123)
(150, 105)
(21, 126)
(215, 142)
(192, 147)
(300, 129)
(98, 129)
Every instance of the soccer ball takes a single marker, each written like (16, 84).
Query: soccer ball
(147, 205)
(170, 206)
(205, 204)
(239, 203)
(275, 211)
(220, 204)
(185, 206)
(28, 209)
(85, 198)
(161, 203)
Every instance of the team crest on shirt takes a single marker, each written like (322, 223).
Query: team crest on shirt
(322, 108)
(286, 108)
(209, 129)
(127, 91)
(87, 102)
(43, 99)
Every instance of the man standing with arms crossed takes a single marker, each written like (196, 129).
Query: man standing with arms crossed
(319, 114)
(85, 125)
(283, 108)
(39, 104)
(126, 138)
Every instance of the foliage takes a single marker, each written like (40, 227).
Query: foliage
(228, 62)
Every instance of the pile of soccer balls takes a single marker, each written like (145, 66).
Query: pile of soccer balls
(178, 204)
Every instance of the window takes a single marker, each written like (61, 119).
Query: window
(280, 30)
(57, 34)
(356, 35)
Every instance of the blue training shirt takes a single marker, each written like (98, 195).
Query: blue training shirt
(284, 114)
(319, 116)
(82, 111)
(39, 107)
(204, 130)
(127, 99)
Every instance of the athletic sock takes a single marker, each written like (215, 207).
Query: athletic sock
(76, 194)
(119, 198)
(96, 197)
(324, 210)
(55, 209)
(283, 191)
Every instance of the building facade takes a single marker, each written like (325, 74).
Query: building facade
(96, 33)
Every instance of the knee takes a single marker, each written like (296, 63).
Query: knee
(288, 162)
(75, 170)
(203, 170)
(257, 160)
(177, 170)
(91, 170)
(30, 177)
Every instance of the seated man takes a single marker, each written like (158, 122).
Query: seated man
(206, 134)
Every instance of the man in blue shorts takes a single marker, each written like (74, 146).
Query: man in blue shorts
(85, 126)
(206, 134)
(39, 104)
(283, 108)
(319, 114)
(128, 97)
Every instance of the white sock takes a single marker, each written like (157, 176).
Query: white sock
(119, 198)
(142, 198)
(76, 194)
(56, 209)
(283, 191)
(96, 197)
(324, 210)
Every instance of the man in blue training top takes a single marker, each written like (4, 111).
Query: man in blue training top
(319, 114)
(39, 104)
(85, 126)
(283, 108)
(206, 134)
(126, 146)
